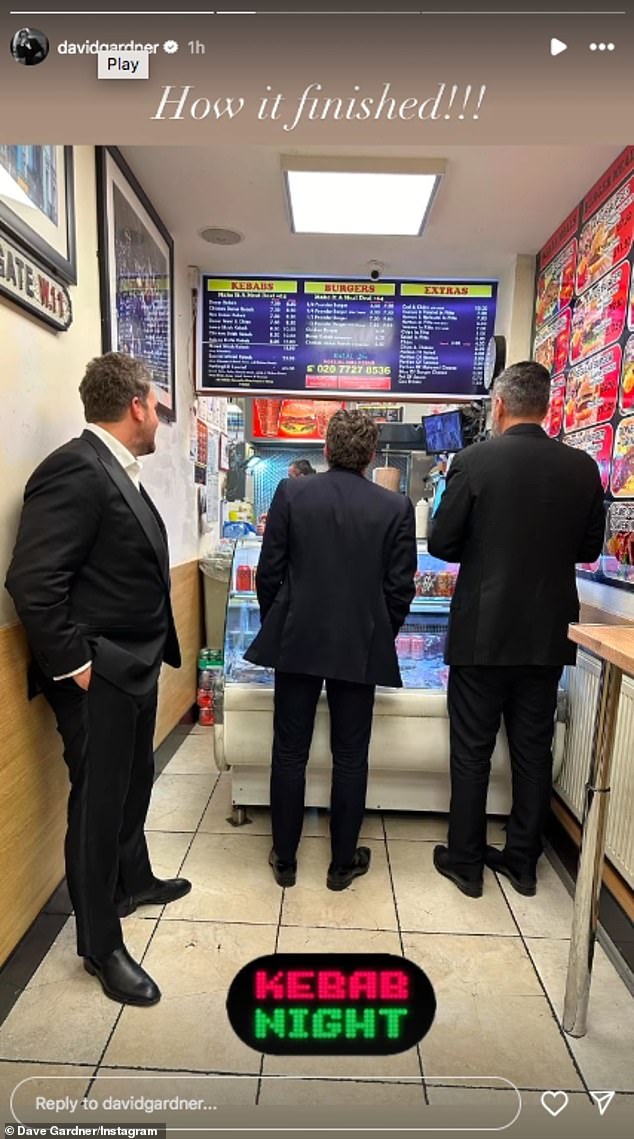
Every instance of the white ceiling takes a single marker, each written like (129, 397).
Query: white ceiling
(493, 203)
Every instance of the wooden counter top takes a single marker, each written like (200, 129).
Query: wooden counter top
(614, 643)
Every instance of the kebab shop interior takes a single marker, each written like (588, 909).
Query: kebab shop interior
(256, 334)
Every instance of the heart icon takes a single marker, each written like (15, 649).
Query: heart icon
(554, 1102)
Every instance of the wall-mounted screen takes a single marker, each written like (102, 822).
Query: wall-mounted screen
(443, 433)
(344, 338)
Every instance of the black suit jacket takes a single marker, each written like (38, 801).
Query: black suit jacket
(89, 575)
(335, 579)
(518, 512)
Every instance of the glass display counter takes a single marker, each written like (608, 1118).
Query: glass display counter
(409, 749)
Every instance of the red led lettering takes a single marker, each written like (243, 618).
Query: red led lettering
(269, 987)
(331, 986)
(394, 986)
(297, 988)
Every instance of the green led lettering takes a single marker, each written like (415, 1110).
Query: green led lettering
(327, 1024)
(360, 1025)
(298, 1017)
(266, 1023)
(392, 1017)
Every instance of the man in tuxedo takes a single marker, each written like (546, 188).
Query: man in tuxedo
(90, 581)
(335, 581)
(518, 513)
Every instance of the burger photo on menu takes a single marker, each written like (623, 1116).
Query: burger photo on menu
(599, 316)
(606, 238)
(306, 419)
(555, 287)
(297, 418)
(552, 343)
(555, 414)
(592, 390)
(622, 484)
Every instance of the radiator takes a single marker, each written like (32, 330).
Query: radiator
(583, 685)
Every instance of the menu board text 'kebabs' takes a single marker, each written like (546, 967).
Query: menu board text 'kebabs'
(340, 338)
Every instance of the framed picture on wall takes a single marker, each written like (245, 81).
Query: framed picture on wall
(136, 263)
(224, 462)
(37, 204)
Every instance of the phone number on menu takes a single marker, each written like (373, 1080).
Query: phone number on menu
(353, 370)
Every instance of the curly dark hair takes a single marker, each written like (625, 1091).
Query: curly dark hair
(110, 384)
(351, 440)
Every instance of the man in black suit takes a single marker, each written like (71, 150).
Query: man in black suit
(90, 581)
(519, 511)
(335, 582)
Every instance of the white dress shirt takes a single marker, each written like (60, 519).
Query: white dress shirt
(132, 468)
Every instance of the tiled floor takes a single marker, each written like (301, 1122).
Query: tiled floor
(497, 965)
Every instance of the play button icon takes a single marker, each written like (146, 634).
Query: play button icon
(557, 46)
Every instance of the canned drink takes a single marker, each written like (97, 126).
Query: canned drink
(403, 645)
(243, 579)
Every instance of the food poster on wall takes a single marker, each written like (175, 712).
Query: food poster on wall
(555, 415)
(592, 404)
(592, 390)
(556, 285)
(600, 314)
(552, 343)
(626, 399)
(302, 420)
(202, 449)
(622, 481)
(597, 442)
(606, 239)
(618, 561)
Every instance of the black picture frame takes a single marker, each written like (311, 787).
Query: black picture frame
(117, 183)
(61, 261)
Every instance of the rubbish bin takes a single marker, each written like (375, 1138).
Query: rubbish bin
(216, 571)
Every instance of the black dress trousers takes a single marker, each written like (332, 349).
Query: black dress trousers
(350, 705)
(478, 697)
(108, 740)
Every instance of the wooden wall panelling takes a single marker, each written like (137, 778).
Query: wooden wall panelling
(177, 689)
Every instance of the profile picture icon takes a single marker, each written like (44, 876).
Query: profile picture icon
(29, 47)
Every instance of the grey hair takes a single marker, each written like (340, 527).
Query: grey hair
(525, 389)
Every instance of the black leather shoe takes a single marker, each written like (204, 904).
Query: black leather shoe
(472, 887)
(340, 877)
(285, 873)
(525, 884)
(158, 894)
(122, 979)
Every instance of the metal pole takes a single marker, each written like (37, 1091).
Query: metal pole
(595, 817)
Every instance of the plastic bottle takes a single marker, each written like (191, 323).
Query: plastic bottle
(422, 518)
(218, 690)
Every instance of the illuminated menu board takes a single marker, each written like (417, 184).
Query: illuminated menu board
(355, 338)
(584, 335)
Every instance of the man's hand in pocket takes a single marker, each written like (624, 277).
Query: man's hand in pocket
(83, 678)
